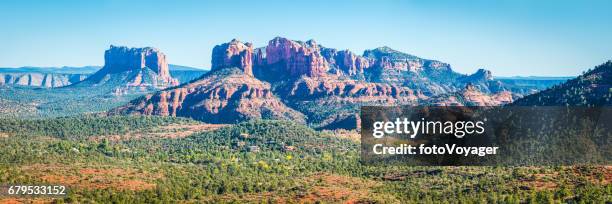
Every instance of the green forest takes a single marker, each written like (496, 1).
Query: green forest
(256, 162)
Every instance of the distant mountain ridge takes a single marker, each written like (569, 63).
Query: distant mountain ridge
(52, 70)
(593, 88)
(534, 77)
(53, 77)
(49, 77)
(80, 70)
(292, 80)
(35, 79)
(531, 84)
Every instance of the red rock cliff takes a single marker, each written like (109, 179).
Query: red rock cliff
(351, 63)
(296, 58)
(233, 54)
(221, 96)
(119, 59)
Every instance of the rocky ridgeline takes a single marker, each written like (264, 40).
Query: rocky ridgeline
(220, 96)
(310, 70)
(296, 58)
(233, 54)
(351, 63)
(287, 79)
(591, 89)
(472, 96)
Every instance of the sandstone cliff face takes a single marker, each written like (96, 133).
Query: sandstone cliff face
(286, 58)
(476, 98)
(259, 57)
(120, 59)
(332, 102)
(393, 66)
(483, 81)
(481, 75)
(348, 62)
(233, 54)
(387, 58)
(471, 96)
(296, 58)
(222, 96)
(343, 90)
(133, 67)
(351, 63)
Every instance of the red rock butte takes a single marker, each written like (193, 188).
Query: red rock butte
(233, 54)
(119, 59)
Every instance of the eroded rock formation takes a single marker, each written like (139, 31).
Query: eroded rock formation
(354, 91)
(296, 58)
(472, 96)
(120, 59)
(133, 67)
(325, 84)
(221, 96)
(233, 54)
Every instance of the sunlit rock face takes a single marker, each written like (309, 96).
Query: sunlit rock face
(221, 96)
(233, 54)
(128, 69)
(296, 58)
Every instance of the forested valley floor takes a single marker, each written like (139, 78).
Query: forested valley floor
(133, 159)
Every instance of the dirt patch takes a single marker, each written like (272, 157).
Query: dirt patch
(598, 174)
(100, 177)
(401, 176)
(169, 131)
(570, 176)
(180, 131)
(345, 134)
(25, 200)
(544, 181)
(263, 197)
(317, 188)
(337, 189)
(608, 175)
(4, 135)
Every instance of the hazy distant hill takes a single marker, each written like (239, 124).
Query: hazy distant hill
(37, 79)
(593, 88)
(45, 76)
(185, 74)
(52, 77)
(54, 70)
(531, 84)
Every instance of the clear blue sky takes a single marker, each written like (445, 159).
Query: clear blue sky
(513, 37)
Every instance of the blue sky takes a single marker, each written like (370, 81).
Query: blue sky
(513, 37)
